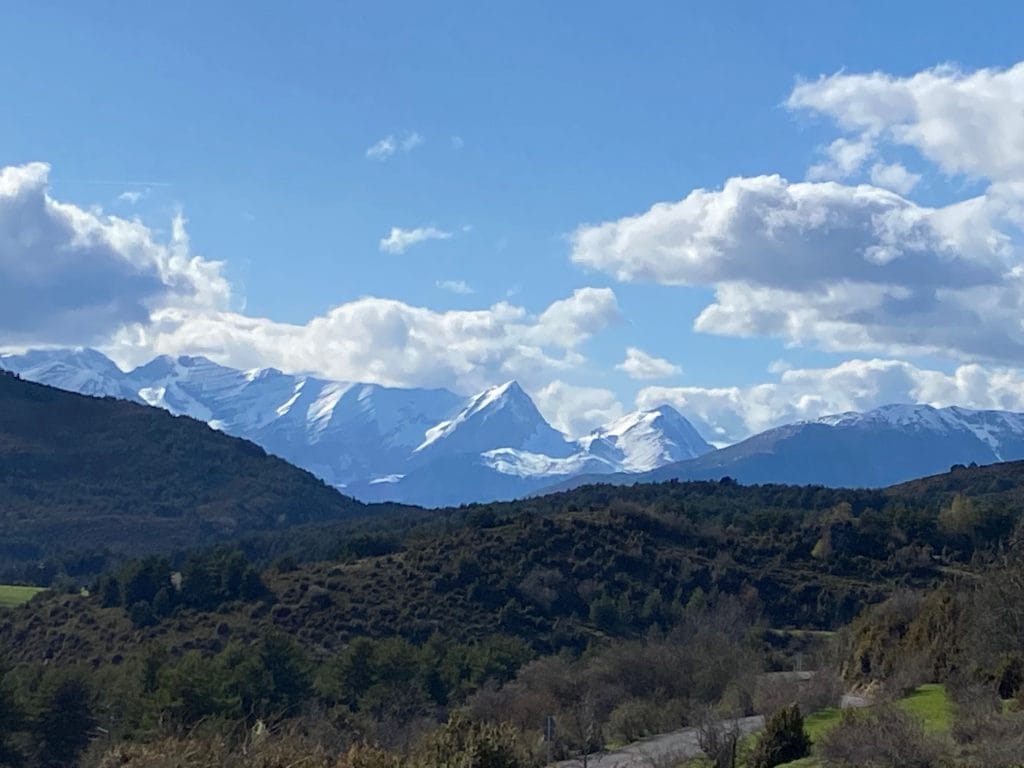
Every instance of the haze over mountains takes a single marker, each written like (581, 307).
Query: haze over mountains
(425, 446)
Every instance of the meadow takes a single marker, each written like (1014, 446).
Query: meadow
(12, 596)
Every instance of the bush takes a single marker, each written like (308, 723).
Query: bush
(461, 742)
(885, 737)
(783, 740)
(633, 719)
(1010, 677)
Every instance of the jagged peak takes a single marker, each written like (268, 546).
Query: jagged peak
(636, 418)
(509, 396)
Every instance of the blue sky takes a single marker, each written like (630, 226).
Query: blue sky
(514, 126)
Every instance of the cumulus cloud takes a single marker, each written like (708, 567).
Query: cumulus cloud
(728, 414)
(576, 410)
(857, 266)
(844, 157)
(386, 341)
(455, 286)
(580, 316)
(385, 148)
(74, 276)
(894, 176)
(399, 240)
(843, 267)
(69, 276)
(640, 365)
(965, 122)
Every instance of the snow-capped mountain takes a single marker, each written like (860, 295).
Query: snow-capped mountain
(434, 447)
(644, 440)
(426, 446)
(877, 448)
(1001, 431)
(498, 417)
(77, 370)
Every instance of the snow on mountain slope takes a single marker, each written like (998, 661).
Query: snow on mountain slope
(390, 442)
(509, 461)
(499, 417)
(890, 444)
(77, 370)
(645, 440)
(996, 429)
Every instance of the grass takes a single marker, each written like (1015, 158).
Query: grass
(13, 596)
(929, 703)
(932, 706)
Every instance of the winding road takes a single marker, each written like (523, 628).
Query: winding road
(657, 751)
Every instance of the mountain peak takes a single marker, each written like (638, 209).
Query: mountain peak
(76, 369)
(643, 440)
(502, 416)
(495, 394)
(666, 410)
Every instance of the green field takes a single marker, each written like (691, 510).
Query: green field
(12, 596)
(932, 706)
(929, 703)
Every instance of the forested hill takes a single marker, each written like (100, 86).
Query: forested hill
(563, 570)
(80, 473)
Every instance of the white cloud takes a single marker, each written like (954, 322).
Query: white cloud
(843, 267)
(576, 410)
(894, 176)
(381, 150)
(729, 414)
(965, 122)
(70, 276)
(456, 286)
(640, 365)
(385, 341)
(580, 316)
(399, 240)
(411, 141)
(385, 148)
(844, 157)
(457, 142)
(132, 197)
(74, 276)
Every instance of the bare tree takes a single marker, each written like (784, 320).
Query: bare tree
(584, 725)
(718, 739)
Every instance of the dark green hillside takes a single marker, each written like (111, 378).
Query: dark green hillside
(649, 602)
(84, 474)
(565, 570)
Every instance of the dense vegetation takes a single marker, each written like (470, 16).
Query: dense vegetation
(620, 611)
(86, 478)
(564, 571)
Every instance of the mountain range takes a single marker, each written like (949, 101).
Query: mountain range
(424, 446)
(884, 446)
(433, 447)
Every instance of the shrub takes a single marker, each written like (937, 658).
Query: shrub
(462, 742)
(783, 740)
(1010, 677)
(885, 737)
(633, 719)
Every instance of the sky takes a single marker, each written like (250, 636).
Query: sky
(756, 213)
